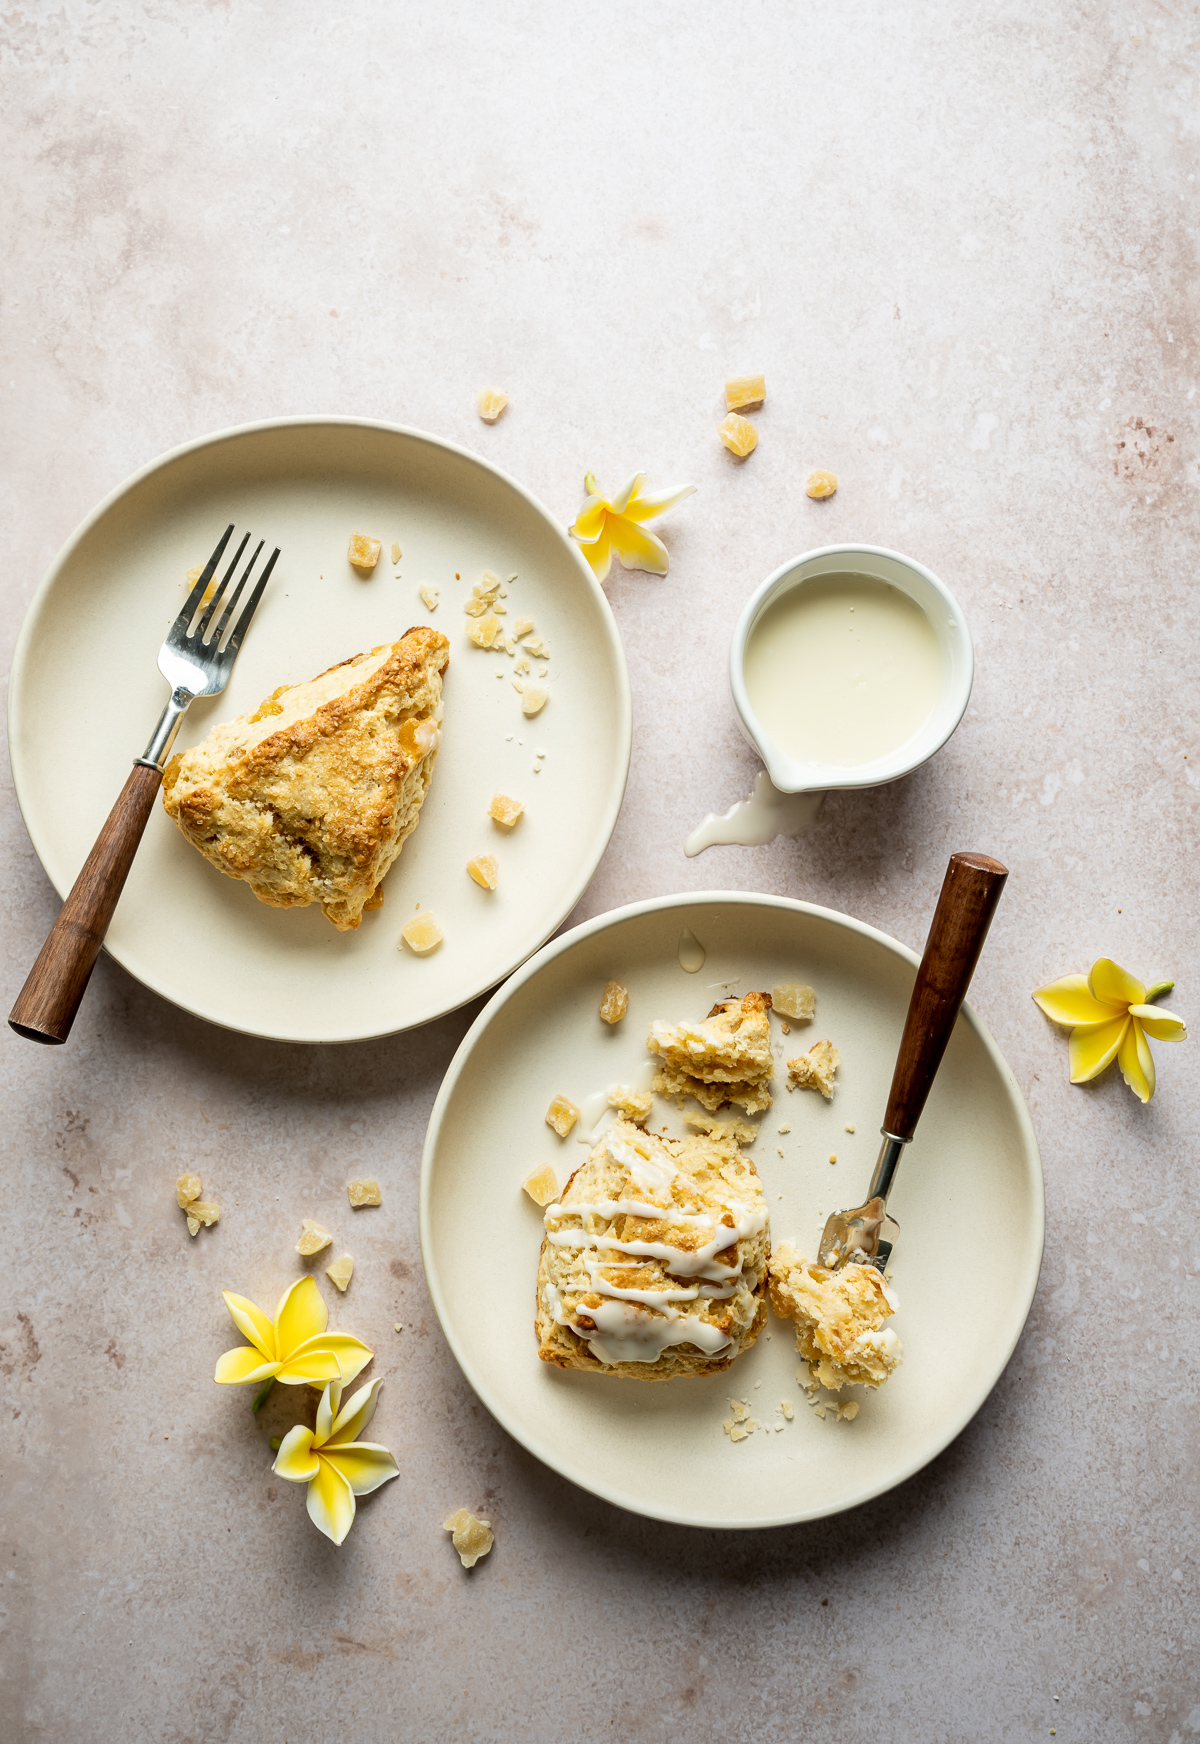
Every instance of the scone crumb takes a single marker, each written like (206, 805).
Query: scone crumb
(484, 871)
(541, 1185)
(848, 1412)
(504, 810)
(562, 1115)
(821, 484)
(833, 1156)
(429, 596)
(363, 1192)
(187, 1188)
(786, 1127)
(492, 402)
(849, 1126)
(340, 1272)
(199, 1212)
(788, 1409)
(739, 1425)
(615, 1002)
(422, 934)
(786, 1027)
(816, 1069)
(744, 391)
(742, 1132)
(533, 699)
(313, 1238)
(635, 1105)
(471, 1538)
(794, 999)
(364, 552)
(738, 435)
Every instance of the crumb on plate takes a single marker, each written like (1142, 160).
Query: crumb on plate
(816, 1069)
(364, 552)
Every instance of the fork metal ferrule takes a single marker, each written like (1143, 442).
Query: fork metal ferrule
(890, 1153)
(163, 737)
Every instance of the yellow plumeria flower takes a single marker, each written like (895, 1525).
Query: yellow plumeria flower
(335, 1466)
(294, 1347)
(606, 528)
(1109, 1015)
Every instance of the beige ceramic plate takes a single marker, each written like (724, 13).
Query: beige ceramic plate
(969, 1201)
(86, 693)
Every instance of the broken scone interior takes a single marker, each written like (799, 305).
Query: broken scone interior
(841, 1319)
(725, 1058)
(654, 1260)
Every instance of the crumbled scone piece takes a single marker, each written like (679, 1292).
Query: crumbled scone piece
(538, 648)
(522, 627)
(396, 552)
(615, 1002)
(739, 1424)
(786, 1127)
(364, 552)
(849, 1411)
(839, 1317)
(743, 391)
(492, 402)
(422, 934)
(795, 1000)
(562, 1115)
(363, 1192)
(815, 1070)
(200, 1212)
(849, 1126)
(725, 1058)
(472, 1538)
(484, 871)
(533, 700)
(429, 596)
(520, 667)
(505, 811)
(821, 484)
(313, 1238)
(738, 434)
(340, 1272)
(635, 1105)
(187, 1188)
(742, 1132)
(541, 1185)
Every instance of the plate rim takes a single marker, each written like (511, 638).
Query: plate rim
(530, 1439)
(623, 733)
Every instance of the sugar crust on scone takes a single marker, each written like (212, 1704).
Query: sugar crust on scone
(654, 1260)
(312, 797)
(724, 1059)
(839, 1317)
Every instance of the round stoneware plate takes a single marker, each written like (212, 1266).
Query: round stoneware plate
(969, 1201)
(86, 694)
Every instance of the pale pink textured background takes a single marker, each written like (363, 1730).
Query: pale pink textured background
(960, 240)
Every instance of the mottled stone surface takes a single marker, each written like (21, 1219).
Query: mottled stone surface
(960, 241)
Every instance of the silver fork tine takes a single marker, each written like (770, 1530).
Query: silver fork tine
(214, 641)
(188, 608)
(206, 616)
(229, 652)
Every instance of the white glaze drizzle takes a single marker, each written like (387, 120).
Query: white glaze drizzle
(751, 822)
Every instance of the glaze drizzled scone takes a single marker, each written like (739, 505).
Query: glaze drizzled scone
(726, 1058)
(654, 1261)
(312, 797)
(839, 1317)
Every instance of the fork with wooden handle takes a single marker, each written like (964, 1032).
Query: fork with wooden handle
(970, 891)
(196, 660)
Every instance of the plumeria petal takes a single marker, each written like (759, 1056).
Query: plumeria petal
(314, 1366)
(296, 1460)
(244, 1364)
(300, 1316)
(599, 553)
(352, 1354)
(637, 549)
(1071, 1002)
(358, 1411)
(364, 1465)
(327, 1411)
(646, 505)
(251, 1322)
(1164, 1026)
(331, 1502)
(1094, 1048)
(617, 504)
(1137, 1063)
(589, 522)
(1114, 985)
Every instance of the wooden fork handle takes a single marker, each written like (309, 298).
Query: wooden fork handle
(970, 892)
(46, 1005)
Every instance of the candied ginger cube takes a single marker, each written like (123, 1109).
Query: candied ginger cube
(363, 1192)
(504, 810)
(483, 870)
(187, 1188)
(483, 631)
(742, 391)
(340, 1272)
(821, 484)
(429, 596)
(615, 1002)
(422, 934)
(312, 1238)
(198, 1212)
(794, 999)
(523, 627)
(492, 402)
(541, 1185)
(364, 552)
(562, 1115)
(738, 435)
(533, 699)
(472, 1538)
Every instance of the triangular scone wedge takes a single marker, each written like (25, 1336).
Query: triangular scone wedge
(312, 797)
